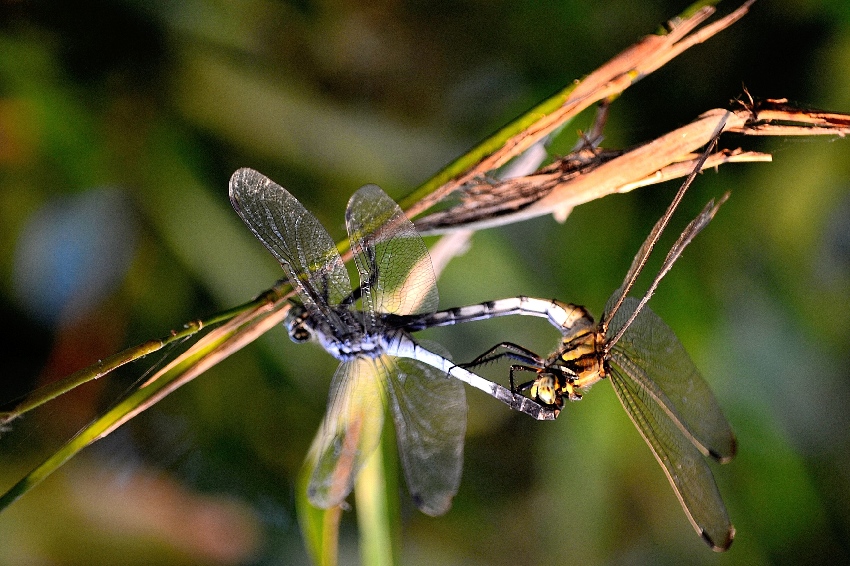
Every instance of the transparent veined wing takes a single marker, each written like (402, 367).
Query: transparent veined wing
(657, 362)
(684, 465)
(297, 239)
(350, 431)
(395, 269)
(686, 237)
(429, 410)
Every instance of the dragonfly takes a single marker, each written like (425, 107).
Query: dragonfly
(365, 329)
(655, 380)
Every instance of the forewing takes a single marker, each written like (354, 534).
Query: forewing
(350, 432)
(295, 237)
(657, 362)
(429, 410)
(395, 269)
(685, 467)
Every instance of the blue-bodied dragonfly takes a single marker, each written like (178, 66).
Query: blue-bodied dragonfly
(364, 329)
(653, 376)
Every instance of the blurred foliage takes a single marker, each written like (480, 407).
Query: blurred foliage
(161, 102)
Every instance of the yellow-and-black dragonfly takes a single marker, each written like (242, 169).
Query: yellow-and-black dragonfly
(657, 383)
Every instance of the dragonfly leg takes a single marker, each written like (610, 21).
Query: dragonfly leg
(325, 287)
(368, 284)
(524, 386)
(352, 298)
(512, 352)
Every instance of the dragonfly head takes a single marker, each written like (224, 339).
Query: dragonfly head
(547, 390)
(297, 325)
(555, 384)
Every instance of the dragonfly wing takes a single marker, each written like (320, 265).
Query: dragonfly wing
(652, 355)
(350, 432)
(395, 269)
(685, 467)
(295, 237)
(429, 410)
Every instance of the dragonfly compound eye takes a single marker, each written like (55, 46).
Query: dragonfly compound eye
(296, 323)
(299, 333)
(545, 389)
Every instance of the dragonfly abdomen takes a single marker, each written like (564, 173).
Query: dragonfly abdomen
(562, 315)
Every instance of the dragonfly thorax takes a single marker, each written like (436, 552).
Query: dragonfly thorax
(364, 344)
(303, 326)
(573, 368)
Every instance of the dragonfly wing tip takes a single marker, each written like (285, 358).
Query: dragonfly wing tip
(724, 544)
(724, 456)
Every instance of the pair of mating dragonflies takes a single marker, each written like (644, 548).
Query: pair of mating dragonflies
(370, 330)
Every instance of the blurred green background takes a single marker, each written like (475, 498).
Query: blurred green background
(120, 125)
